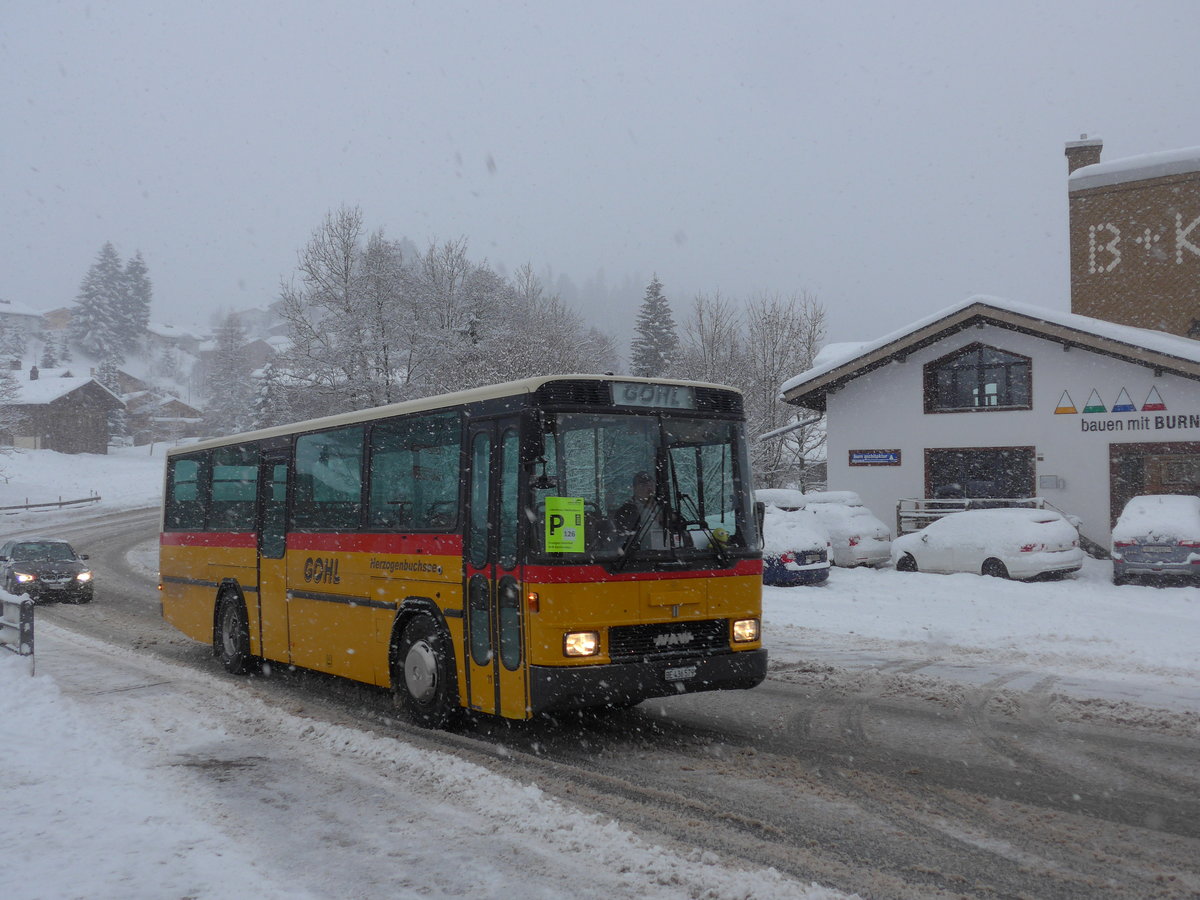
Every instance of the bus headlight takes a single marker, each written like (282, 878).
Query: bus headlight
(23, 578)
(581, 643)
(745, 631)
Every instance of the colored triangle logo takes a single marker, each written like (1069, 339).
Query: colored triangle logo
(1154, 402)
(1066, 406)
(1124, 404)
(1095, 404)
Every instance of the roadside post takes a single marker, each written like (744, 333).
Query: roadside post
(16, 627)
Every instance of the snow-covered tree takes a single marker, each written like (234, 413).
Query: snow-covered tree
(272, 400)
(10, 419)
(134, 308)
(656, 340)
(372, 322)
(230, 406)
(96, 318)
(50, 353)
(783, 334)
(755, 348)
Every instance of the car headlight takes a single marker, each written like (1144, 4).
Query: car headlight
(745, 631)
(581, 643)
(84, 576)
(23, 578)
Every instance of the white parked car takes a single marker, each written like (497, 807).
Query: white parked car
(794, 552)
(1007, 543)
(858, 538)
(1157, 537)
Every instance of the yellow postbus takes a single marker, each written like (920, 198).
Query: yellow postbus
(545, 544)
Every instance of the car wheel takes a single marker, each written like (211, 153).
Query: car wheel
(906, 563)
(423, 679)
(994, 568)
(232, 643)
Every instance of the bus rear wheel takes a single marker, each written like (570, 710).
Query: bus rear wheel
(423, 679)
(232, 640)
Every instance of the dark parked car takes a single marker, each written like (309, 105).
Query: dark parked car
(794, 551)
(1157, 537)
(45, 569)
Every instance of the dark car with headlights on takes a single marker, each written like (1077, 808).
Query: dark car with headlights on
(45, 569)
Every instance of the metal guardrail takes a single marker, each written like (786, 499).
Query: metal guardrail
(915, 513)
(16, 626)
(60, 504)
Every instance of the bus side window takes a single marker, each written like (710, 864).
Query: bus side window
(414, 473)
(185, 493)
(328, 480)
(234, 489)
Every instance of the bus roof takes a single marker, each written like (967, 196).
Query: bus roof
(423, 404)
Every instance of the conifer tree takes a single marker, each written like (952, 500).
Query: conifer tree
(272, 406)
(135, 303)
(49, 353)
(98, 306)
(230, 396)
(656, 341)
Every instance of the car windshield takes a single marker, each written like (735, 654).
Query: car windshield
(36, 551)
(618, 487)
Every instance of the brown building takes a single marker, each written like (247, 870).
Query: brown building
(64, 413)
(1135, 237)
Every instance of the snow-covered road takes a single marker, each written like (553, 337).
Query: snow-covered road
(137, 778)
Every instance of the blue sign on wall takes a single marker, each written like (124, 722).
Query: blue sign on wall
(874, 457)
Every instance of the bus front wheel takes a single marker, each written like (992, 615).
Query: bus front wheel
(232, 643)
(423, 675)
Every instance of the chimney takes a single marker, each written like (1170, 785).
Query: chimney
(33, 373)
(1083, 152)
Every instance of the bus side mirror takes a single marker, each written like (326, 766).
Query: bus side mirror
(760, 516)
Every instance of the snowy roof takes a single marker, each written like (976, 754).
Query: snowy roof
(1136, 168)
(12, 308)
(1143, 346)
(48, 389)
(162, 329)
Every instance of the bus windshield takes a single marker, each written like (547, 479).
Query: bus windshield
(619, 488)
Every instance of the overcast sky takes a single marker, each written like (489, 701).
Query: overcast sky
(890, 158)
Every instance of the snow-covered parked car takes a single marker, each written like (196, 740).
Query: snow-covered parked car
(1157, 537)
(794, 552)
(1007, 543)
(858, 538)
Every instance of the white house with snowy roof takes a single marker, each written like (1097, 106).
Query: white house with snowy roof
(991, 399)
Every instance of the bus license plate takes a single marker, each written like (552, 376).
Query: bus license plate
(680, 673)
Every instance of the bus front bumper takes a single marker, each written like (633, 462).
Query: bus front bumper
(626, 683)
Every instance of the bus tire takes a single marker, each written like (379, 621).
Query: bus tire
(423, 679)
(232, 640)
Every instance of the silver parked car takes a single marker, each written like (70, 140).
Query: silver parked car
(1157, 537)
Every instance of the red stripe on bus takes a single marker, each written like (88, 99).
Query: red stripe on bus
(209, 539)
(433, 544)
(591, 574)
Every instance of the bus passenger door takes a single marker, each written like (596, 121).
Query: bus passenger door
(495, 639)
(272, 544)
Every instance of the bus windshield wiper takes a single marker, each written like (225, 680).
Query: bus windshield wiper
(646, 516)
(718, 547)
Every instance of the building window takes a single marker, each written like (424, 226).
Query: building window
(978, 378)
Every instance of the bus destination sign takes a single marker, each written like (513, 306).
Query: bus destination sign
(666, 396)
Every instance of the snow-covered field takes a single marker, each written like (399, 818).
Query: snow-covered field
(113, 792)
